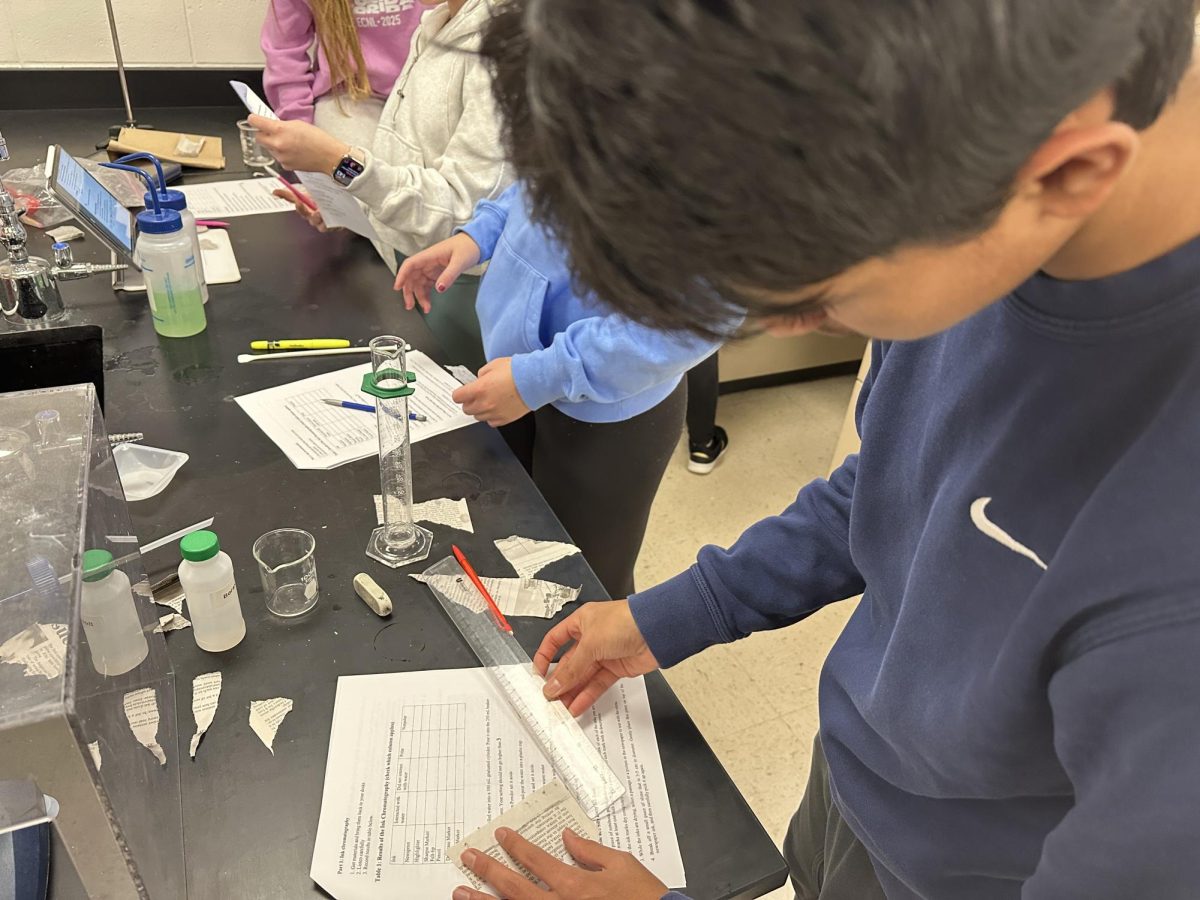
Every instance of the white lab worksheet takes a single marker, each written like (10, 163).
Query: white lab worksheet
(315, 435)
(419, 760)
(230, 199)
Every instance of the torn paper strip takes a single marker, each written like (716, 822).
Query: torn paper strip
(173, 603)
(41, 649)
(529, 557)
(206, 691)
(167, 592)
(172, 622)
(265, 716)
(141, 709)
(514, 596)
(443, 511)
(94, 749)
(540, 818)
(462, 373)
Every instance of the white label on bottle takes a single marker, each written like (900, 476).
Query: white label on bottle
(223, 598)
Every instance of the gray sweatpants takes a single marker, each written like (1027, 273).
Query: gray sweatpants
(826, 860)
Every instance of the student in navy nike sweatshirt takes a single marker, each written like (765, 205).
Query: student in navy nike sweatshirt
(1005, 193)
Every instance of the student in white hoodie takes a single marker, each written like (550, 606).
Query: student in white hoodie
(437, 152)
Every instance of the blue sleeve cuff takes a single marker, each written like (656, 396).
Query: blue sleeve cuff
(484, 230)
(674, 895)
(538, 377)
(678, 618)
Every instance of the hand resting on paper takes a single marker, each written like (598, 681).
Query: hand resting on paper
(607, 874)
(435, 267)
(493, 396)
(607, 646)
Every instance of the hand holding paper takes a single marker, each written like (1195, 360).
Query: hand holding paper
(312, 154)
(300, 146)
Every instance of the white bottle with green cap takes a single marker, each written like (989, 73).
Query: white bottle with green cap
(109, 614)
(206, 575)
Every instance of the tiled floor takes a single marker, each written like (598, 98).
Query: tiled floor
(755, 700)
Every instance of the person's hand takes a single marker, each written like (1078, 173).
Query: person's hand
(312, 216)
(608, 874)
(437, 266)
(300, 146)
(493, 396)
(607, 646)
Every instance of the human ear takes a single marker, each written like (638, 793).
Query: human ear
(1076, 169)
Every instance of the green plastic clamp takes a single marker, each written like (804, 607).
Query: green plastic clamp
(369, 386)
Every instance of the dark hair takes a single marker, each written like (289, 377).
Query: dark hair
(687, 152)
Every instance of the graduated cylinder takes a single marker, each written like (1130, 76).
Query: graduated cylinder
(398, 541)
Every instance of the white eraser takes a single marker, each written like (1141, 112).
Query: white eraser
(372, 594)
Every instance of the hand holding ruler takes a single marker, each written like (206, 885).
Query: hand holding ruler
(561, 739)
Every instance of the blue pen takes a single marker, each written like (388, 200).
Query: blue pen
(366, 407)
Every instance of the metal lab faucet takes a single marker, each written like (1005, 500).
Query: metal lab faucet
(29, 294)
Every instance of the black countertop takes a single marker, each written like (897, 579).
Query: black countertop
(250, 817)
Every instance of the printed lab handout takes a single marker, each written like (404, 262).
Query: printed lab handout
(420, 760)
(315, 435)
(230, 199)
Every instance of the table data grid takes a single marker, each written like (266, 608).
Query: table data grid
(430, 782)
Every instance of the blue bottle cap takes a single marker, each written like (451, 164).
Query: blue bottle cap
(164, 222)
(167, 199)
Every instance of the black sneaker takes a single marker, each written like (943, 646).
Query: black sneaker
(703, 458)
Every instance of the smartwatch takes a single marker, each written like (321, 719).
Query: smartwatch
(350, 167)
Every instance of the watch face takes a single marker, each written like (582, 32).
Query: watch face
(348, 169)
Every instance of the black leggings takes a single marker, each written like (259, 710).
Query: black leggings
(703, 384)
(600, 479)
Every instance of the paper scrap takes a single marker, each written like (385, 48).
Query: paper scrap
(462, 373)
(443, 511)
(514, 596)
(529, 556)
(94, 749)
(540, 818)
(41, 649)
(172, 602)
(265, 717)
(171, 622)
(141, 709)
(170, 594)
(206, 691)
(64, 233)
(315, 435)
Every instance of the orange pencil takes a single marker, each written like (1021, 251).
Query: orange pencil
(462, 561)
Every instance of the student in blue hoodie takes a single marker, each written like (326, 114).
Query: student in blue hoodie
(590, 402)
(1003, 192)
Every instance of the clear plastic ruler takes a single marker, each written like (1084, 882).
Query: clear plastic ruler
(575, 759)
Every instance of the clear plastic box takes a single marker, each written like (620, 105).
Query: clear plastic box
(63, 725)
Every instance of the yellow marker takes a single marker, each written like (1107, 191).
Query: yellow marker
(313, 344)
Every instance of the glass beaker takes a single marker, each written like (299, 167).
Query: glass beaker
(253, 153)
(288, 567)
(398, 541)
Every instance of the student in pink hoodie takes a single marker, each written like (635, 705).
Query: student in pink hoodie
(361, 47)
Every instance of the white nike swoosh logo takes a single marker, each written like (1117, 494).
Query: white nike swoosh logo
(996, 533)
